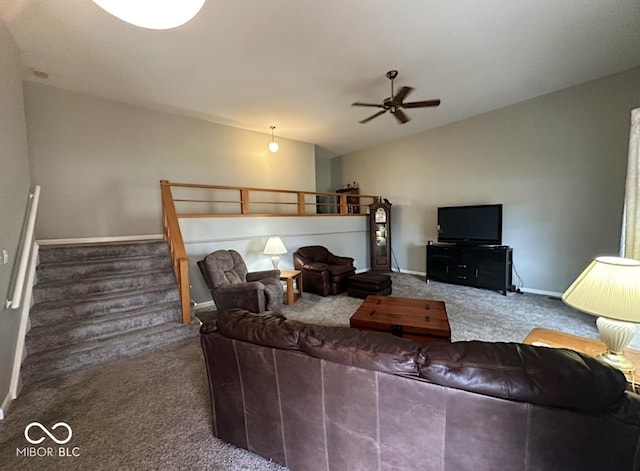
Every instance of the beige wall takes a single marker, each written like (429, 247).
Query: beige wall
(99, 162)
(14, 190)
(557, 163)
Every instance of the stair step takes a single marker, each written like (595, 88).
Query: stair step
(51, 363)
(96, 305)
(56, 335)
(67, 289)
(97, 302)
(80, 270)
(97, 251)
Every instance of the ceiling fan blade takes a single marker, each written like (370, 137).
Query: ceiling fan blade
(357, 103)
(402, 94)
(373, 116)
(421, 104)
(400, 116)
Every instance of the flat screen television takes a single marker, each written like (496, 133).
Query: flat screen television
(474, 225)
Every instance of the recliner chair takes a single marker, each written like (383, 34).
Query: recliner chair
(323, 273)
(232, 285)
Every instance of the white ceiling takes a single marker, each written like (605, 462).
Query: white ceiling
(299, 64)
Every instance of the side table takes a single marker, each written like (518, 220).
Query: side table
(556, 339)
(291, 276)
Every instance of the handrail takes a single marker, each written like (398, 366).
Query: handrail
(25, 250)
(344, 204)
(179, 260)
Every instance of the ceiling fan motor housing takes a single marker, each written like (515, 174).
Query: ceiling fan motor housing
(395, 103)
(390, 104)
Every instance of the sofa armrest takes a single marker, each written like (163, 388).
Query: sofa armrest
(337, 260)
(250, 286)
(261, 275)
(315, 266)
(249, 296)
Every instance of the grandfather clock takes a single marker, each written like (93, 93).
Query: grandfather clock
(380, 235)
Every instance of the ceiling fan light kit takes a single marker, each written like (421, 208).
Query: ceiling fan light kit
(395, 103)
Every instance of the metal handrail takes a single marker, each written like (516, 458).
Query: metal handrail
(25, 250)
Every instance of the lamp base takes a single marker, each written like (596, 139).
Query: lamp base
(275, 260)
(616, 335)
(618, 361)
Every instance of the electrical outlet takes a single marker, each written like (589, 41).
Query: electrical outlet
(5, 256)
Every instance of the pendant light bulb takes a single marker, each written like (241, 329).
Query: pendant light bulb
(273, 145)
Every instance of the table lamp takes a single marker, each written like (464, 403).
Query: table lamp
(274, 247)
(610, 289)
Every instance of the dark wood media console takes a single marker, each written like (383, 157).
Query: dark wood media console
(480, 266)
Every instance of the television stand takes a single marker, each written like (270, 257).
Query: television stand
(480, 266)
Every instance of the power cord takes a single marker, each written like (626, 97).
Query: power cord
(393, 256)
(517, 288)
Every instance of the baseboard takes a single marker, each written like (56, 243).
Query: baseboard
(98, 240)
(542, 292)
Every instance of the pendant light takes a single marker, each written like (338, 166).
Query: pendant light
(152, 14)
(273, 145)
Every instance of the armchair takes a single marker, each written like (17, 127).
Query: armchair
(323, 273)
(232, 285)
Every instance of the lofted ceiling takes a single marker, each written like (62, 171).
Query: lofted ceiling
(299, 64)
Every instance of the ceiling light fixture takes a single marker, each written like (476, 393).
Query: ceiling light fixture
(273, 145)
(152, 14)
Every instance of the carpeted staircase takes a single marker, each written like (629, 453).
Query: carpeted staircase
(97, 302)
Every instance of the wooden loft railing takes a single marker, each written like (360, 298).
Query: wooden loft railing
(207, 201)
(199, 201)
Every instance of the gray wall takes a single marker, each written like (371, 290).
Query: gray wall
(99, 162)
(14, 189)
(557, 163)
(324, 182)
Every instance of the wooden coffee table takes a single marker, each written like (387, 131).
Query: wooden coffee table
(421, 320)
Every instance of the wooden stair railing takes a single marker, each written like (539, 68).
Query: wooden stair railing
(287, 203)
(179, 260)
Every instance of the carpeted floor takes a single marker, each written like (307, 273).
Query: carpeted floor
(152, 411)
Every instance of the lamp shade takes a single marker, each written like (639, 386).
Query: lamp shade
(608, 287)
(152, 14)
(274, 246)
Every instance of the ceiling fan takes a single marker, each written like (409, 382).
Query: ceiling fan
(395, 103)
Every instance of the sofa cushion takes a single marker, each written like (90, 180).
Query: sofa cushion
(271, 330)
(541, 375)
(369, 350)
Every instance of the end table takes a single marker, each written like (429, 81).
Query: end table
(291, 276)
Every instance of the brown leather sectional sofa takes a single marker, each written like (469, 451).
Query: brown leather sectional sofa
(334, 398)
